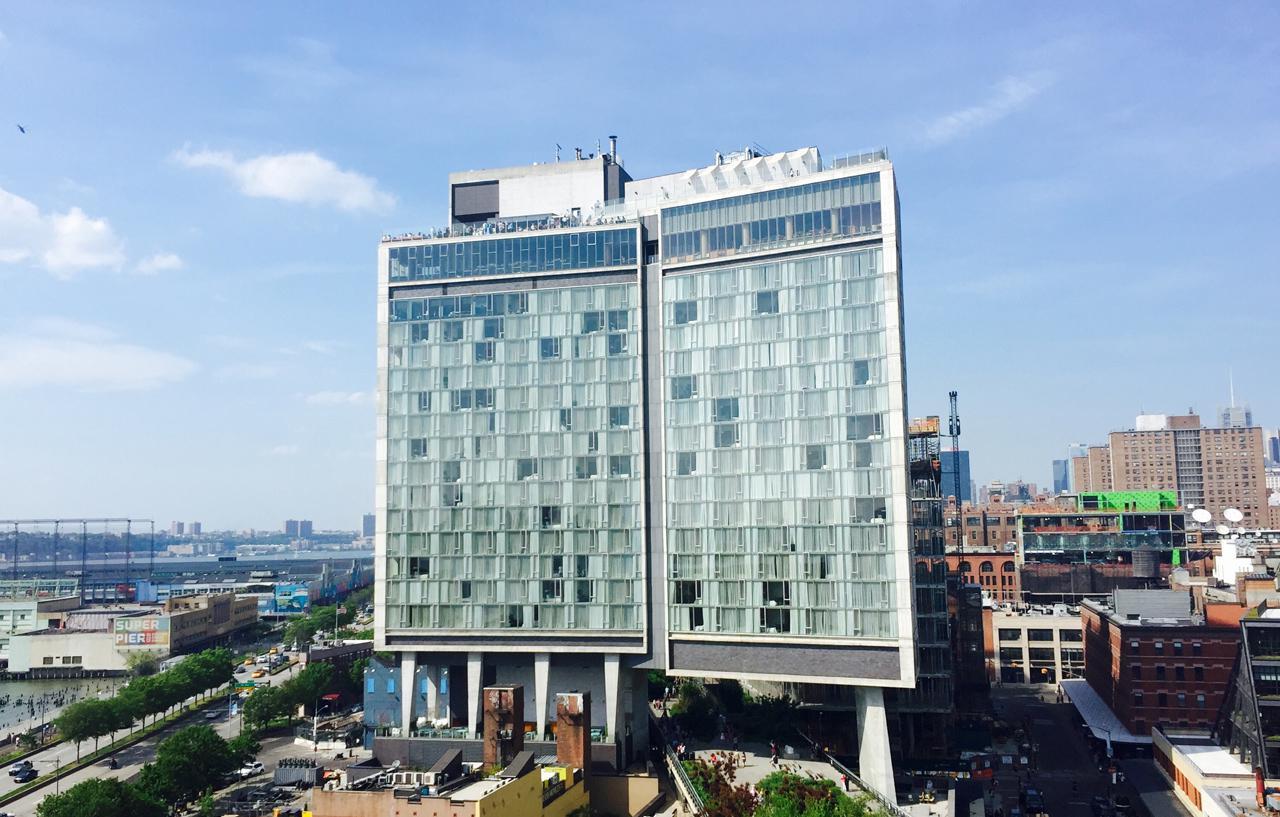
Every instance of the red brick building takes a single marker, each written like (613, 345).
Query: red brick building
(995, 571)
(1152, 663)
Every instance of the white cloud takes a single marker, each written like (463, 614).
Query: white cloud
(62, 244)
(160, 262)
(62, 353)
(1010, 94)
(282, 451)
(337, 398)
(306, 178)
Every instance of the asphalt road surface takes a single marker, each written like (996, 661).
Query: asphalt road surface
(1064, 767)
(133, 758)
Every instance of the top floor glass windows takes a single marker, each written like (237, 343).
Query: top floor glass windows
(546, 252)
(849, 206)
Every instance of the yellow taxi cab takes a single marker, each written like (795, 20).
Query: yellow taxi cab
(258, 673)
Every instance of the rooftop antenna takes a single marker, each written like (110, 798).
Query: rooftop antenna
(558, 151)
(1231, 386)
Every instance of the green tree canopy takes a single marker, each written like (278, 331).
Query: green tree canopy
(104, 797)
(187, 763)
(265, 705)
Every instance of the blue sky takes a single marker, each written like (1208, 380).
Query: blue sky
(188, 227)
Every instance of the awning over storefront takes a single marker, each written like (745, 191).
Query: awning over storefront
(1101, 721)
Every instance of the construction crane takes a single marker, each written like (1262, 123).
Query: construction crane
(953, 430)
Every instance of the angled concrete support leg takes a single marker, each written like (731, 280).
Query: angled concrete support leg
(408, 665)
(875, 767)
(611, 695)
(433, 693)
(541, 672)
(475, 669)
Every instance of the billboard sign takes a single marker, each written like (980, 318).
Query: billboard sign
(142, 631)
(292, 598)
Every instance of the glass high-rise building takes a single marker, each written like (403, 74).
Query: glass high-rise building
(658, 423)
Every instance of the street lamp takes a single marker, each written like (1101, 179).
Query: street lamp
(57, 780)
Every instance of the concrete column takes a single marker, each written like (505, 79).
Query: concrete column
(611, 695)
(433, 693)
(408, 664)
(475, 670)
(541, 672)
(874, 764)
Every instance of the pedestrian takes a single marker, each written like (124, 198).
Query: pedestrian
(844, 778)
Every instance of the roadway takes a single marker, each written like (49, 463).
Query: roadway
(132, 758)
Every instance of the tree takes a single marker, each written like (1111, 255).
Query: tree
(102, 797)
(266, 705)
(142, 663)
(783, 794)
(187, 763)
(75, 723)
(309, 685)
(244, 748)
(714, 781)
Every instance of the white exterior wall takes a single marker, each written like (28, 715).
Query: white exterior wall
(97, 652)
(1022, 624)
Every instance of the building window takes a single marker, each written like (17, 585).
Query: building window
(452, 331)
(526, 468)
(815, 457)
(1162, 699)
(391, 686)
(618, 320)
(767, 302)
(369, 684)
(617, 344)
(1197, 673)
(686, 463)
(620, 466)
(684, 387)
(549, 348)
(484, 351)
(1177, 648)
(727, 435)
(1039, 635)
(1200, 700)
(1179, 673)
(1135, 672)
(1010, 635)
(592, 322)
(1195, 647)
(1159, 672)
(1158, 646)
(1137, 698)
(619, 417)
(1182, 700)
(686, 312)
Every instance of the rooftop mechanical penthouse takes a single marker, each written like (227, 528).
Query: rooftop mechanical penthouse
(656, 423)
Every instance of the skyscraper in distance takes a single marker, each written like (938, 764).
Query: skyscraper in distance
(368, 525)
(660, 428)
(949, 475)
(1061, 476)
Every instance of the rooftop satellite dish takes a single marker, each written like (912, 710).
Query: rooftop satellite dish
(1241, 531)
(1233, 515)
(1222, 530)
(1201, 515)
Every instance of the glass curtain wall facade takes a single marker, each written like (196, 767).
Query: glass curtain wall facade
(513, 461)
(777, 459)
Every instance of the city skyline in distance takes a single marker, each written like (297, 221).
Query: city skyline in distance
(180, 339)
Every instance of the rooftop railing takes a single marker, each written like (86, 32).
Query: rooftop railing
(501, 226)
(855, 159)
